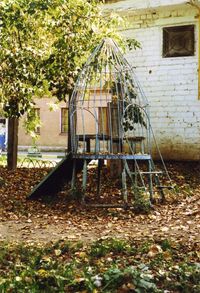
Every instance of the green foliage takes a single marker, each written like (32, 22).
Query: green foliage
(78, 27)
(43, 46)
(101, 248)
(133, 115)
(141, 202)
(123, 89)
(166, 245)
(138, 276)
(188, 278)
(68, 267)
(23, 48)
(32, 123)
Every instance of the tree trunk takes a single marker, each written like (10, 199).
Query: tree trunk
(12, 143)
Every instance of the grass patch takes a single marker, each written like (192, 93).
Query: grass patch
(109, 265)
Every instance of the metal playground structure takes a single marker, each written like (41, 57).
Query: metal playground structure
(110, 123)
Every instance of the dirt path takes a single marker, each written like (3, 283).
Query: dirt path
(180, 222)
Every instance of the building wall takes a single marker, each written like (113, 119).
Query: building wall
(50, 130)
(170, 84)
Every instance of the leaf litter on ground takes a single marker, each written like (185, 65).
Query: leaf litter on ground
(105, 250)
(64, 217)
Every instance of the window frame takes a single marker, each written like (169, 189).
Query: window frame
(166, 41)
(62, 126)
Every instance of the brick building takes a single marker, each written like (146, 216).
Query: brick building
(167, 67)
(52, 134)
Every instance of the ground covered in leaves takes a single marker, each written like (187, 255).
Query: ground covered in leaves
(120, 251)
(65, 218)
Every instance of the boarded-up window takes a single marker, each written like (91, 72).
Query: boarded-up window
(178, 41)
(64, 120)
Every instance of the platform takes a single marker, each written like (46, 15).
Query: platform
(111, 156)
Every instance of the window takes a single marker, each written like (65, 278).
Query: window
(178, 41)
(2, 121)
(64, 120)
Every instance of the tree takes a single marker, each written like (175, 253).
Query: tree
(43, 46)
(23, 47)
(78, 27)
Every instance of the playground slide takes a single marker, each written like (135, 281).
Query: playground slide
(55, 180)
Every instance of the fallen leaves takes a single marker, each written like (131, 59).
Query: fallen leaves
(154, 250)
(63, 217)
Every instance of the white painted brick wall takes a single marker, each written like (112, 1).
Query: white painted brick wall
(170, 84)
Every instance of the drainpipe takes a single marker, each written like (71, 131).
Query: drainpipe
(196, 4)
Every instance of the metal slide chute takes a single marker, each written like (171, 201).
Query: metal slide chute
(56, 179)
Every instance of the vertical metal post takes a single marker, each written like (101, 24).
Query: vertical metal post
(84, 183)
(124, 185)
(162, 194)
(73, 182)
(135, 172)
(158, 184)
(100, 163)
(150, 181)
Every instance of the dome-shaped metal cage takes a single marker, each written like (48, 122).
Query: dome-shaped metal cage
(108, 111)
(109, 117)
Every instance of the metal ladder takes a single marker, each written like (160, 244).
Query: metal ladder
(153, 175)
